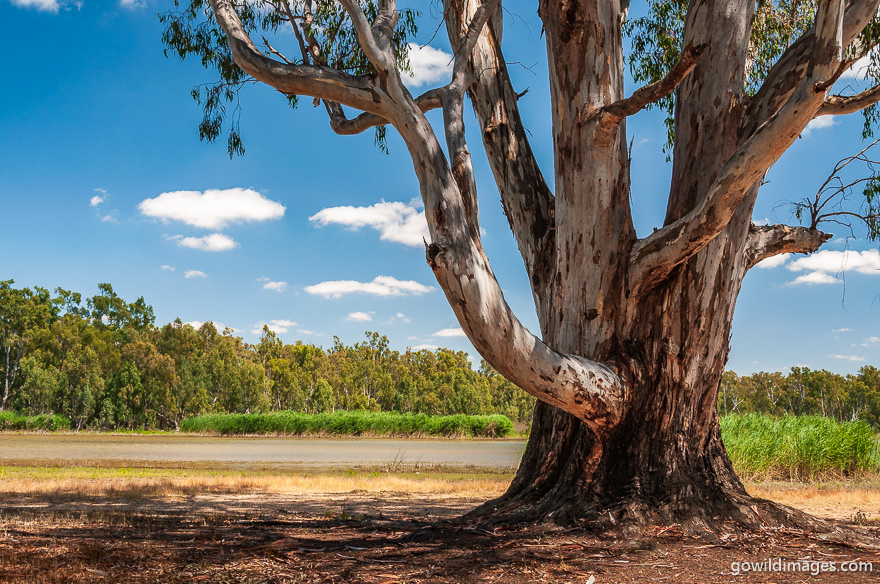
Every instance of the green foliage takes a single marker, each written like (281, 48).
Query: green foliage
(104, 365)
(49, 423)
(800, 448)
(327, 35)
(351, 424)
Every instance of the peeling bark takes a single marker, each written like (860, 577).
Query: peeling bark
(634, 333)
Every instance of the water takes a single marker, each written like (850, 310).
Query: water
(104, 450)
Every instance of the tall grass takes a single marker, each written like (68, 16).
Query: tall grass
(800, 447)
(351, 424)
(13, 421)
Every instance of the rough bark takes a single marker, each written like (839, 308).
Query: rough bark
(634, 332)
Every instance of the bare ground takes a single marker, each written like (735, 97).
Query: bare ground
(362, 536)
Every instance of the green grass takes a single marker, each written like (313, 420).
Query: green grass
(800, 447)
(13, 421)
(351, 424)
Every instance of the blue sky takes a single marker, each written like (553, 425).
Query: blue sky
(103, 179)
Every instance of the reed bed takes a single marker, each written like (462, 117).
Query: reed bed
(48, 423)
(800, 448)
(343, 423)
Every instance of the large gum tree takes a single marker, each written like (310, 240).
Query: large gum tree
(634, 331)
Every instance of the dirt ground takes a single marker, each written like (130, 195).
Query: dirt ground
(366, 537)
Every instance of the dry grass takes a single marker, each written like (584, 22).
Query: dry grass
(150, 483)
(856, 501)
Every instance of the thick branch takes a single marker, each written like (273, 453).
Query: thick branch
(654, 257)
(376, 54)
(837, 105)
(527, 200)
(788, 71)
(428, 101)
(321, 82)
(642, 97)
(766, 241)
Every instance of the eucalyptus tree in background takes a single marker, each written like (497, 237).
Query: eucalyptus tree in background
(634, 331)
(23, 312)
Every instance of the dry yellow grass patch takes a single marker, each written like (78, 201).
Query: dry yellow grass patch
(128, 483)
(852, 501)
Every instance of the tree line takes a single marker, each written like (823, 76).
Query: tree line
(104, 364)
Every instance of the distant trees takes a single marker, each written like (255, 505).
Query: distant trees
(102, 363)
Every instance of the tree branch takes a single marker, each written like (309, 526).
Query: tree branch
(788, 71)
(642, 97)
(837, 105)
(320, 82)
(766, 241)
(527, 200)
(654, 257)
(428, 101)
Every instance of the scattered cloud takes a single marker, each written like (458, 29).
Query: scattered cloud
(450, 332)
(819, 123)
(212, 209)
(395, 221)
(213, 242)
(132, 4)
(40, 5)
(814, 279)
(263, 279)
(428, 65)
(870, 341)
(276, 286)
(380, 286)
(277, 326)
(402, 317)
(846, 357)
(96, 200)
(194, 274)
(424, 348)
(359, 317)
(306, 332)
(197, 324)
(833, 262)
(843, 330)
(168, 268)
(774, 261)
(822, 264)
(108, 219)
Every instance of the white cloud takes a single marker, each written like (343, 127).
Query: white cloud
(826, 262)
(843, 330)
(380, 286)
(395, 221)
(830, 261)
(424, 348)
(213, 209)
(819, 123)
(871, 341)
(305, 332)
(277, 326)
(402, 317)
(846, 357)
(774, 261)
(263, 279)
(132, 4)
(429, 66)
(859, 69)
(449, 332)
(96, 200)
(168, 268)
(197, 324)
(194, 274)
(359, 317)
(108, 219)
(41, 5)
(213, 242)
(814, 279)
(276, 286)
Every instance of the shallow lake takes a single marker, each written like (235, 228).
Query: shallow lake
(251, 452)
